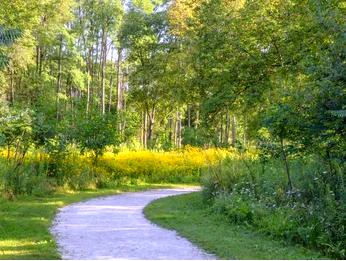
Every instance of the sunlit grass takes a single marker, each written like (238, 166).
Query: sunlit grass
(188, 215)
(25, 221)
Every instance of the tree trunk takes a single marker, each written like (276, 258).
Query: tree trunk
(234, 130)
(123, 120)
(174, 123)
(197, 119)
(144, 128)
(71, 95)
(284, 156)
(151, 126)
(58, 82)
(89, 73)
(170, 126)
(111, 85)
(228, 123)
(95, 71)
(178, 135)
(189, 116)
(103, 69)
(221, 130)
(41, 61)
(119, 82)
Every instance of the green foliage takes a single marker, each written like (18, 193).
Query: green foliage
(7, 37)
(339, 113)
(194, 137)
(312, 214)
(82, 76)
(27, 178)
(96, 133)
(15, 132)
(213, 232)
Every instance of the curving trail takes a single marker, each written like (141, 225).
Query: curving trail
(114, 227)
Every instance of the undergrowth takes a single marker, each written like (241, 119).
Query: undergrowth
(256, 194)
(40, 173)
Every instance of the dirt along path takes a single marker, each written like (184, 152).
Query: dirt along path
(114, 227)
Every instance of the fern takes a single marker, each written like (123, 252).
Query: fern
(339, 113)
(8, 36)
(3, 60)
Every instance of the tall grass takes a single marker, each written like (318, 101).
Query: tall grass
(150, 166)
(41, 173)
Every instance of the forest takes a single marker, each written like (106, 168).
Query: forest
(246, 98)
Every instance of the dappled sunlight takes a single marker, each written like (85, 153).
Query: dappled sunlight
(243, 98)
(21, 249)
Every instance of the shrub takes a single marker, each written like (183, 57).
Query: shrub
(95, 134)
(223, 176)
(237, 209)
(312, 213)
(27, 178)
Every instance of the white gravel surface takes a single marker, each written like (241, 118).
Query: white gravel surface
(114, 227)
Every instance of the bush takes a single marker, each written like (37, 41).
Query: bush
(95, 134)
(27, 178)
(312, 214)
(237, 209)
(223, 176)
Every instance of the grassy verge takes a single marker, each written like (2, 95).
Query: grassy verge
(25, 222)
(188, 215)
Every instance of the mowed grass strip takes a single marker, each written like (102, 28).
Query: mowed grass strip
(188, 215)
(25, 221)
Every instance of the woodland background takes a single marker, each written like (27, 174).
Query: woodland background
(263, 81)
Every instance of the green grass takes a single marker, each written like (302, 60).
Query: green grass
(25, 221)
(189, 217)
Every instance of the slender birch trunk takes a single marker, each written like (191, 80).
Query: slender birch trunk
(58, 83)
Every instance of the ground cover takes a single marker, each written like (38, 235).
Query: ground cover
(188, 215)
(25, 221)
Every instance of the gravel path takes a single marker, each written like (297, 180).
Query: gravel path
(114, 227)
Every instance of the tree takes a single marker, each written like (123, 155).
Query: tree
(95, 134)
